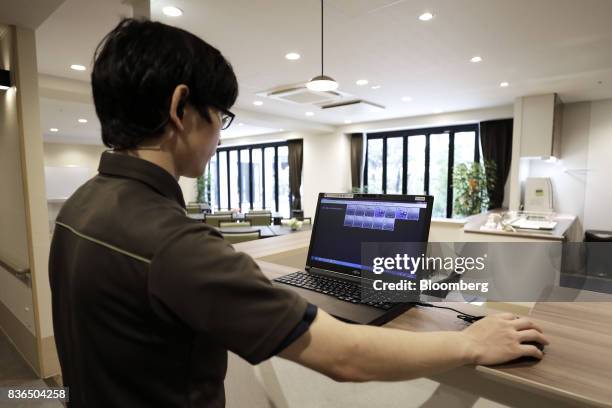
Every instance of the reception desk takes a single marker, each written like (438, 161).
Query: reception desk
(576, 371)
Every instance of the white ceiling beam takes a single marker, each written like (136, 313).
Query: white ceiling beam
(140, 8)
(64, 89)
(27, 13)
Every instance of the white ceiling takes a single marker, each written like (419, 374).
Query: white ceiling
(539, 46)
(63, 115)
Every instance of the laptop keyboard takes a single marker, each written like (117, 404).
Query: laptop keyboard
(340, 289)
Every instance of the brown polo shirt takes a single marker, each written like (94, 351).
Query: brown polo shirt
(146, 301)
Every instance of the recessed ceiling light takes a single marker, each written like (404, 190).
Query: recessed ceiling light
(281, 129)
(292, 56)
(438, 111)
(257, 103)
(348, 121)
(504, 84)
(54, 130)
(476, 59)
(172, 11)
(426, 16)
(309, 113)
(240, 124)
(81, 120)
(376, 87)
(361, 82)
(406, 98)
(78, 67)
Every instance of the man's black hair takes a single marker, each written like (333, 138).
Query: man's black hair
(137, 67)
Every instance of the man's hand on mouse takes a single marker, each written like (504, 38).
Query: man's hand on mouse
(499, 338)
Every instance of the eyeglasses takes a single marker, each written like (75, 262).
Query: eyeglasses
(226, 118)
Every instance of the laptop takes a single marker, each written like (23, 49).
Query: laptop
(334, 274)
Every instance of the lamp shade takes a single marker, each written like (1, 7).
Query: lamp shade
(322, 83)
(5, 79)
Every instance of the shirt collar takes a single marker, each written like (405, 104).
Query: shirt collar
(122, 165)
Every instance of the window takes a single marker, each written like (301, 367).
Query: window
(420, 161)
(223, 180)
(257, 178)
(244, 185)
(375, 166)
(250, 177)
(438, 172)
(416, 165)
(234, 187)
(395, 149)
(283, 180)
(269, 178)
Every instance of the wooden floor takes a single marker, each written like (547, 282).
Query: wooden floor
(15, 372)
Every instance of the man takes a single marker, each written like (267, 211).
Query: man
(146, 302)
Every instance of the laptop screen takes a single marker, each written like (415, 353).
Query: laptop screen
(344, 221)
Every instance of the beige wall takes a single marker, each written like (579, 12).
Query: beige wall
(16, 301)
(25, 313)
(61, 154)
(568, 176)
(581, 177)
(85, 155)
(13, 239)
(598, 195)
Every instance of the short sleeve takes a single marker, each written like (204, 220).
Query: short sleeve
(222, 293)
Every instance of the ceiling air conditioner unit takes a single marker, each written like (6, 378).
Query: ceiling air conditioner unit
(353, 107)
(299, 94)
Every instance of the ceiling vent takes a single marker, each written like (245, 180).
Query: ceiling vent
(299, 94)
(352, 107)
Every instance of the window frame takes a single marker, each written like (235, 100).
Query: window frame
(427, 132)
(251, 199)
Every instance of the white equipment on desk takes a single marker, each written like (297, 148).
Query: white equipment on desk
(538, 194)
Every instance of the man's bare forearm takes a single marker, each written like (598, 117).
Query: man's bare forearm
(349, 352)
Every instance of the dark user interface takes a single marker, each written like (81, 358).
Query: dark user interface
(344, 224)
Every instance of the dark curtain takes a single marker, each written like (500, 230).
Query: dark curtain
(496, 143)
(296, 158)
(356, 159)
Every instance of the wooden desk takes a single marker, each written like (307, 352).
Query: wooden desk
(577, 369)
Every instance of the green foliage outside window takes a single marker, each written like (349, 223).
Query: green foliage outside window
(203, 190)
(471, 181)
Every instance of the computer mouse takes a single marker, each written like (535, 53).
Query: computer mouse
(540, 346)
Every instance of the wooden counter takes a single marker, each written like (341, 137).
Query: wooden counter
(559, 233)
(577, 369)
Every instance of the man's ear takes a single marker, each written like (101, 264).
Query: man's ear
(177, 106)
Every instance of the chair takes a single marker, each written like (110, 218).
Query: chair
(260, 219)
(224, 212)
(236, 237)
(193, 209)
(214, 220)
(260, 211)
(225, 224)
